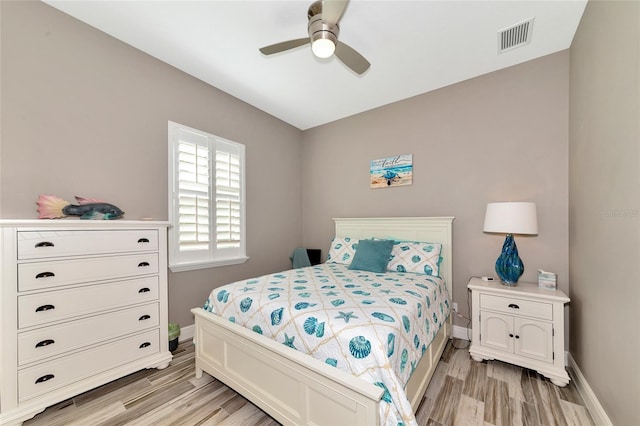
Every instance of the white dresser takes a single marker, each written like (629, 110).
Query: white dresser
(82, 303)
(522, 325)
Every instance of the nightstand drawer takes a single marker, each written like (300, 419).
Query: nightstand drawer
(517, 306)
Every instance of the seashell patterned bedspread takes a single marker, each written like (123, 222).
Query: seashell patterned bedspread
(376, 326)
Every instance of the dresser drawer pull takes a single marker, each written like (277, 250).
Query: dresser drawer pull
(45, 308)
(45, 378)
(143, 264)
(45, 244)
(143, 240)
(45, 275)
(513, 306)
(145, 345)
(144, 317)
(144, 290)
(45, 343)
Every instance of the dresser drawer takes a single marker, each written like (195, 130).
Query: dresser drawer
(51, 341)
(48, 376)
(41, 275)
(43, 244)
(42, 308)
(517, 306)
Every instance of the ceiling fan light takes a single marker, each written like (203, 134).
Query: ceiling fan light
(323, 47)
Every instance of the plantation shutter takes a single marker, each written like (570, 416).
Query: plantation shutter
(228, 196)
(193, 188)
(206, 194)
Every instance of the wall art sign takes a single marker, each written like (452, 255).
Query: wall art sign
(391, 171)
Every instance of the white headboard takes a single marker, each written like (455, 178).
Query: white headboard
(428, 229)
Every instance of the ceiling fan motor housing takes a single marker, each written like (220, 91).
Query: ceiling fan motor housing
(319, 29)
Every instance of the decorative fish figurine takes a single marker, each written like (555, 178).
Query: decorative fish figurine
(52, 207)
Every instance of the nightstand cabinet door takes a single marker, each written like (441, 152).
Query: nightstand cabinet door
(533, 339)
(496, 331)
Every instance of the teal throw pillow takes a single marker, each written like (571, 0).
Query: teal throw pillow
(372, 255)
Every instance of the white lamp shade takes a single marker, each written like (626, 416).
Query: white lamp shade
(511, 218)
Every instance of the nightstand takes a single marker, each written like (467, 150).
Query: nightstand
(522, 325)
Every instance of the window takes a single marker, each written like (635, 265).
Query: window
(206, 200)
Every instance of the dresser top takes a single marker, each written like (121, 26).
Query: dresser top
(523, 289)
(80, 224)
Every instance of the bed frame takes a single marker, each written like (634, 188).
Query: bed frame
(296, 389)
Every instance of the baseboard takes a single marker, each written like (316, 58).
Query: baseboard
(590, 400)
(187, 333)
(463, 333)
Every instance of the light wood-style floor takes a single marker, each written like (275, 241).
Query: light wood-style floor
(462, 392)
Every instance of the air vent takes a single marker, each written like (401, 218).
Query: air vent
(515, 36)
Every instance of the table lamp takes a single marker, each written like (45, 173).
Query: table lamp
(510, 218)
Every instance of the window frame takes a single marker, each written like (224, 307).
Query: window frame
(212, 256)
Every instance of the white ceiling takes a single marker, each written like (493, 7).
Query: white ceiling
(413, 46)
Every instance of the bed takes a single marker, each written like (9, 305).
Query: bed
(295, 388)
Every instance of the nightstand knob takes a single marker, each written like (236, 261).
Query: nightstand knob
(510, 335)
(513, 306)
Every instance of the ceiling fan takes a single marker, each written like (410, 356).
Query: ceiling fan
(323, 35)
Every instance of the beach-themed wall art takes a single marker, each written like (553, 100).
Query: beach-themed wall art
(391, 171)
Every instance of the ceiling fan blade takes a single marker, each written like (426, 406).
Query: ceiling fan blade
(285, 45)
(332, 10)
(351, 58)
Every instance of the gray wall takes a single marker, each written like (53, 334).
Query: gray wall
(85, 114)
(499, 137)
(604, 176)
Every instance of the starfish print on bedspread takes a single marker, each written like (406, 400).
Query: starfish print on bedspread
(288, 341)
(346, 316)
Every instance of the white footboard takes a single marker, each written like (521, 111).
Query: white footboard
(291, 387)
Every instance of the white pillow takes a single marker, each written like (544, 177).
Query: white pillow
(342, 250)
(416, 257)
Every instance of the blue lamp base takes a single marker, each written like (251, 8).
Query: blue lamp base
(509, 266)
